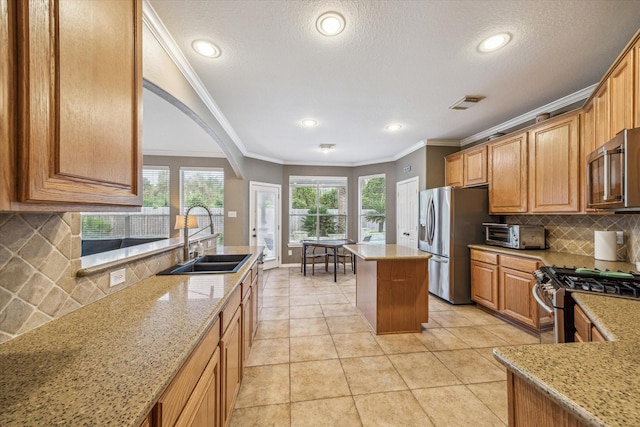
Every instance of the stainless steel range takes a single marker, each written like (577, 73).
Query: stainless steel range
(555, 284)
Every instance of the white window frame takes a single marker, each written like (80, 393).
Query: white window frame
(361, 180)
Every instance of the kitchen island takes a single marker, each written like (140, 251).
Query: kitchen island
(392, 285)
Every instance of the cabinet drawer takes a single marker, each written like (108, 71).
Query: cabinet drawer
(177, 394)
(483, 256)
(229, 310)
(517, 263)
(582, 323)
(246, 285)
(596, 335)
(254, 272)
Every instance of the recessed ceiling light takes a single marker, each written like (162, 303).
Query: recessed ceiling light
(309, 123)
(330, 23)
(494, 43)
(327, 147)
(393, 127)
(206, 48)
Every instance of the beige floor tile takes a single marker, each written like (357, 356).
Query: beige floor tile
(455, 406)
(275, 301)
(400, 343)
(371, 375)
(487, 353)
(274, 313)
(431, 324)
(317, 380)
(450, 318)
(336, 310)
(305, 311)
(327, 289)
(512, 334)
(347, 324)
(269, 352)
(478, 336)
(303, 300)
(303, 349)
(272, 329)
(470, 367)
(271, 415)
(332, 299)
(272, 284)
(398, 408)
(264, 385)
(275, 292)
(356, 345)
(422, 370)
(302, 290)
(335, 412)
(437, 305)
(479, 317)
(494, 395)
(308, 327)
(440, 339)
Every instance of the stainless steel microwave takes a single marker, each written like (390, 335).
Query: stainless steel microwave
(613, 173)
(515, 236)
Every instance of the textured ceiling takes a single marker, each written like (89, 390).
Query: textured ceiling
(396, 61)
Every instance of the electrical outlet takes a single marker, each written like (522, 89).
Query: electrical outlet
(620, 237)
(290, 252)
(117, 277)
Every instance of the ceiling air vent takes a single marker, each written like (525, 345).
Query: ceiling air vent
(466, 102)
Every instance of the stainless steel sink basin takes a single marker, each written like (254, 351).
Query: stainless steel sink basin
(210, 264)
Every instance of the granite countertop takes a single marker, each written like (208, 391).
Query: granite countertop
(108, 363)
(373, 252)
(597, 382)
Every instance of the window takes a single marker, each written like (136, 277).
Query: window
(107, 231)
(317, 208)
(372, 212)
(203, 186)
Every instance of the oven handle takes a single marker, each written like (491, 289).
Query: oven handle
(536, 296)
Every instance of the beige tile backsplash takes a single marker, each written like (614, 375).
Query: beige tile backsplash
(39, 257)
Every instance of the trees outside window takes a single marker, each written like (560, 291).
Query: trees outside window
(317, 208)
(372, 210)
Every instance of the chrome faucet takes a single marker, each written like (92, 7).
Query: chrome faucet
(185, 249)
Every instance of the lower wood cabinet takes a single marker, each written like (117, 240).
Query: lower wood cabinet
(585, 330)
(231, 355)
(203, 407)
(484, 278)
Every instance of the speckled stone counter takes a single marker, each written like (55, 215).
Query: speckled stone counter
(597, 382)
(371, 252)
(108, 363)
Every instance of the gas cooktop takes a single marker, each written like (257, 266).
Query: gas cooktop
(591, 280)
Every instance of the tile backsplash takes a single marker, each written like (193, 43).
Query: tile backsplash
(39, 258)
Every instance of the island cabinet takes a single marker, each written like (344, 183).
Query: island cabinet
(70, 105)
(585, 330)
(529, 407)
(507, 164)
(554, 165)
(467, 168)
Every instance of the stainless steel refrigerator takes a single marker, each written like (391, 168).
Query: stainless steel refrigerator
(450, 219)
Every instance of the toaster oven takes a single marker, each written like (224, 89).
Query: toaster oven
(515, 236)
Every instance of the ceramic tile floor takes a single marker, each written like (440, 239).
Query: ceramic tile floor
(315, 362)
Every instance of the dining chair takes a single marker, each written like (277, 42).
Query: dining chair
(313, 256)
(343, 256)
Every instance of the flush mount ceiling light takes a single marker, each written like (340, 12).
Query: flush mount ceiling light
(494, 43)
(330, 23)
(327, 147)
(393, 127)
(206, 48)
(465, 102)
(309, 123)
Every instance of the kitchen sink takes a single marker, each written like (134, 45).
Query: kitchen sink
(210, 264)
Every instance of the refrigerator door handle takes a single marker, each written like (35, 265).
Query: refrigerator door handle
(431, 221)
(440, 260)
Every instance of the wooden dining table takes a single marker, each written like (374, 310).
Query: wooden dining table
(333, 244)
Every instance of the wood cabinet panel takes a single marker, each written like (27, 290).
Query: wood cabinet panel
(507, 164)
(247, 326)
(454, 170)
(516, 299)
(621, 97)
(484, 284)
(596, 335)
(601, 114)
(484, 256)
(582, 324)
(255, 306)
(554, 181)
(231, 363)
(203, 407)
(526, 265)
(229, 310)
(475, 166)
(80, 102)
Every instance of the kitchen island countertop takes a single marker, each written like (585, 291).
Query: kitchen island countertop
(373, 252)
(108, 363)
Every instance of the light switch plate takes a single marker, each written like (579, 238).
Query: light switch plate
(232, 214)
(117, 277)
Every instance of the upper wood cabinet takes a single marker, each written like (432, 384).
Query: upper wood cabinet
(507, 165)
(467, 168)
(554, 180)
(621, 94)
(454, 170)
(72, 101)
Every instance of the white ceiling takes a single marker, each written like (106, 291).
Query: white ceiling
(397, 61)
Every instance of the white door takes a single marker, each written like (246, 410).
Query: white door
(407, 212)
(264, 221)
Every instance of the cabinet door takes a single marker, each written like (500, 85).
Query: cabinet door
(475, 166)
(554, 180)
(621, 95)
(453, 170)
(601, 114)
(255, 307)
(203, 407)
(231, 355)
(80, 102)
(507, 166)
(484, 284)
(516, 300)
(247, 326)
